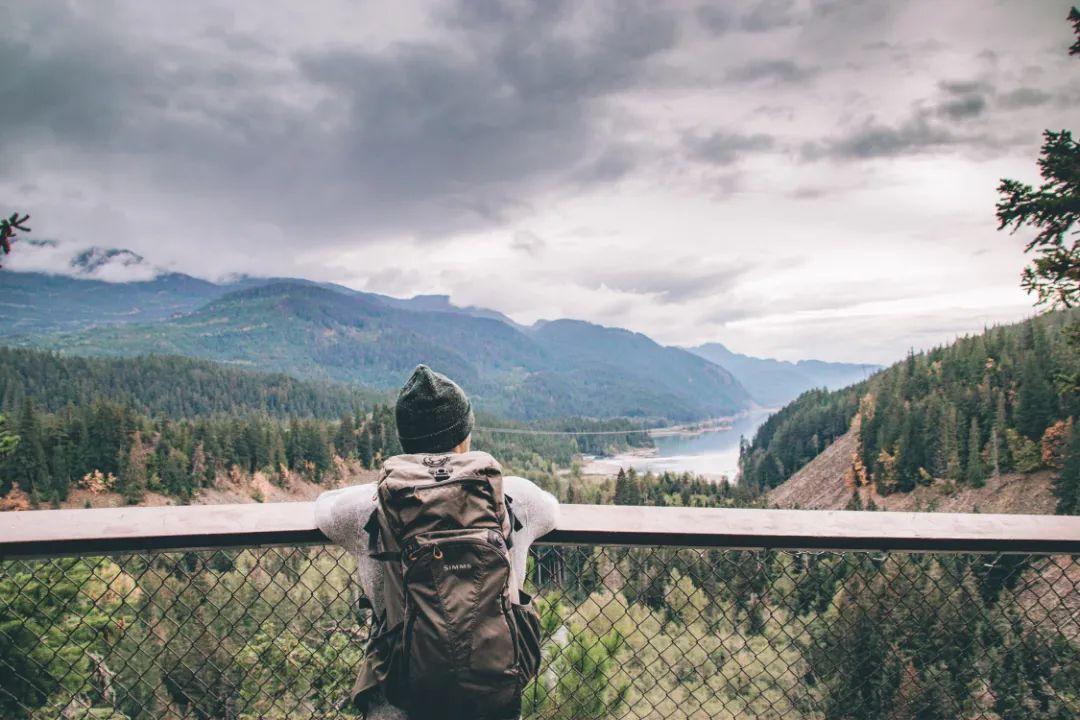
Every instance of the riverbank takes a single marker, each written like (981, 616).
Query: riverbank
(708, 448)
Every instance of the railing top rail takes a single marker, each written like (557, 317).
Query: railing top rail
(70, 532)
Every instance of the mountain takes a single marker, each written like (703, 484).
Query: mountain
(37, 302)
(548, 370)
(773, 383)
(34, 302)
(954, 418)
(310, 331)
(441, 303)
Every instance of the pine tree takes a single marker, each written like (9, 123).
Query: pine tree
(27, 465)
(1003, 459)
(364, 450)
(8, 439)
(133, 480)
(59, 473)
(345, 438)
(199, 467)
(620, 487)
(1067, 484)
(975, 470)
(1035, 398)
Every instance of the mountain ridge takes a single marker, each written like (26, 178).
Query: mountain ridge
(539, 371)
(773, 383)
(317, 333)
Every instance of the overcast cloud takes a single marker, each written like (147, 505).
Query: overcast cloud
(792, 178)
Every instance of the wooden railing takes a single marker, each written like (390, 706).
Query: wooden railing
(81, 532)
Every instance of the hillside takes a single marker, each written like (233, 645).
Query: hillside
(556, 370)
(827, 483)
(567, 368)
(973, 418)
(169, 386)
(772, 383)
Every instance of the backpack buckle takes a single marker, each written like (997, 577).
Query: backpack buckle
(440, 474)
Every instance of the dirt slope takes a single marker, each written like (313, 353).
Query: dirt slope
(236, 489)
(827, 483)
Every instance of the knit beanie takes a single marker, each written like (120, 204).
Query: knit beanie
(433, 414)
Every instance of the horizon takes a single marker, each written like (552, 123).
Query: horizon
(691, 173)
(107, 273)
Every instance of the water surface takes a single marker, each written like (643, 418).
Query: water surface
(714, 453)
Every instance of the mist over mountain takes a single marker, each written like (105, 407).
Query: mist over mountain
(773, 383)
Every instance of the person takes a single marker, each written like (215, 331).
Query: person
(434, 417)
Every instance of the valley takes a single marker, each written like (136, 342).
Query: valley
(330, 333)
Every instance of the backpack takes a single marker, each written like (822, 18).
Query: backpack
(455, 640)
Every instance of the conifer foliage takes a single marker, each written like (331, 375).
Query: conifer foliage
(984, 405)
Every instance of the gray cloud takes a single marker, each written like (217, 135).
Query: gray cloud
(528, 242)
(762, 16)
(722, 148)
(615, 162)
(934, 126)
(777, 70)
(715, 18)
(963, 107)
(768, 15)
(1023, 97)
(425, 138)
(216, 137)
(873, 139)
(687, 280)
(964, 99)
(963, 87)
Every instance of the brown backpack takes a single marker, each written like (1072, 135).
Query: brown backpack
(455, 640)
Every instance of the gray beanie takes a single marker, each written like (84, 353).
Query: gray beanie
(433, 414)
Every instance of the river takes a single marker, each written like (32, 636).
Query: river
(714, 453)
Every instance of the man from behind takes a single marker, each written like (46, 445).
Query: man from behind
(441, 542)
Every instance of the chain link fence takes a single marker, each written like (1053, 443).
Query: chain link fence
(629, 633)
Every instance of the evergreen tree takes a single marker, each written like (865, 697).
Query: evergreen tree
(364, 449)
(8, 439)
(1035, 398)
(1067, 484)
(199, 468)
(133, 480)
(975, 469)
(345, 438)
(26, 466)
(59, 473)
(620, 487)
(176, 476)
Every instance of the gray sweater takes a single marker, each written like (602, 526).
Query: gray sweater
(341, 515)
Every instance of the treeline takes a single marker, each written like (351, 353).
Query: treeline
(981, 406)
(169, 386)
(173, 425)
(110, 446)
(106, 446)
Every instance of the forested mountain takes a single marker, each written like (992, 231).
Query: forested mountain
(169, 386)
(35, 303)
(773, 383)
(983, 405)
(555, 370)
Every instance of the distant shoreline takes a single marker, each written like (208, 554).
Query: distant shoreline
(717, 424)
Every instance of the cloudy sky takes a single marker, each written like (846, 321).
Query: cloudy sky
(793, 178)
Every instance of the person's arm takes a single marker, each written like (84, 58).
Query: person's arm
(341, 514)
(536, 510)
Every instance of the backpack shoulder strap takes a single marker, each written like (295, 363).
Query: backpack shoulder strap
(515, 524)
(371, 527)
